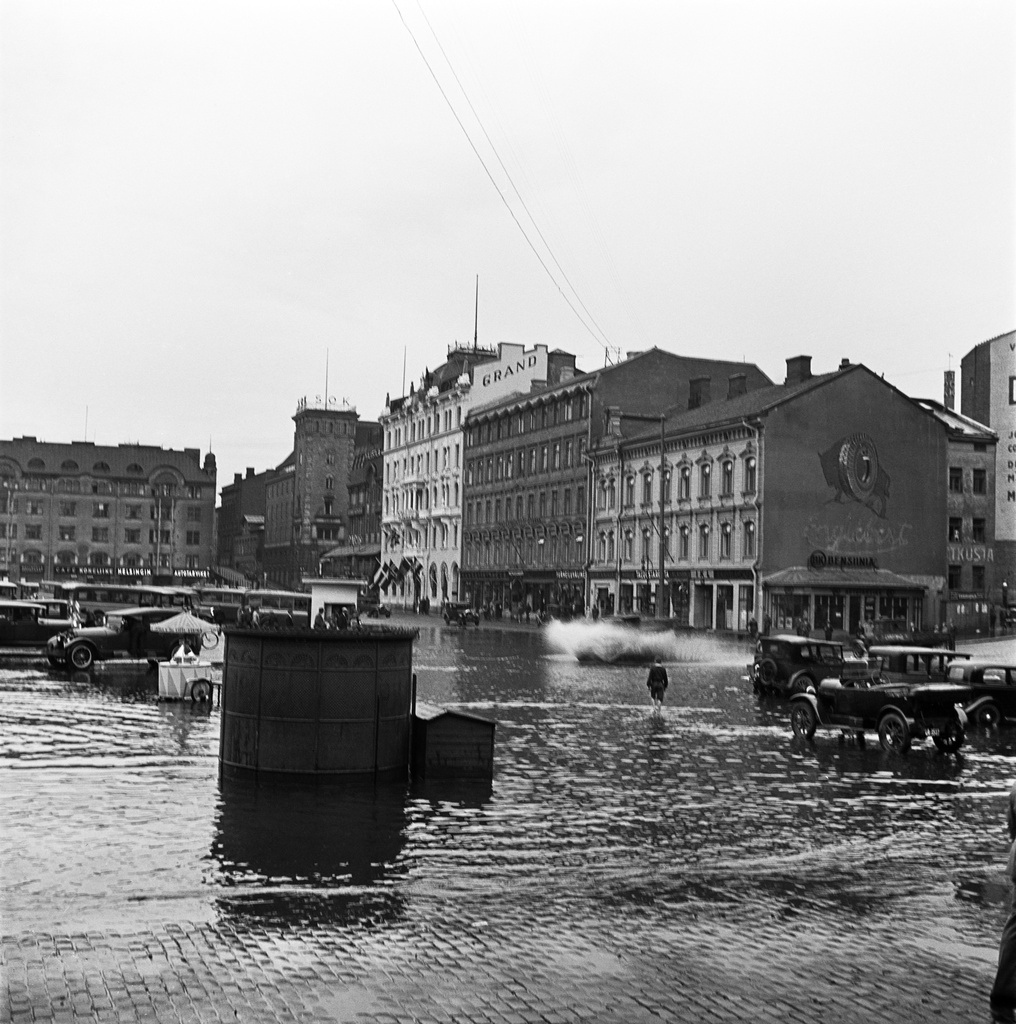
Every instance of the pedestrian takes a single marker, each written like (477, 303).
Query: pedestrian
(657, 682)
(596, 612)
(319, 620)
(1003, 992)
(767, 624)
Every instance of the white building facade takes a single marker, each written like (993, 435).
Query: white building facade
(421, 534)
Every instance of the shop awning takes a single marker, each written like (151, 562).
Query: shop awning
(804, 577)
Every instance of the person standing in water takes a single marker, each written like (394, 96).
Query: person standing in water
(657, 682)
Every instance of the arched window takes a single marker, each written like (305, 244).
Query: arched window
(725, 534)
(749, 475)
(683, 535)
(647, 488)
(703, 541)
(727, 478)
(749, 539)
(69, 466)
(705, 480)
(684, 484)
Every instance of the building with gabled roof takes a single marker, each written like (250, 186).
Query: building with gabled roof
(818, 500)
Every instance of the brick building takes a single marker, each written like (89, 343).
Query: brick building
(243, 498)
(130, 513)
(307, 495)
(528, 480)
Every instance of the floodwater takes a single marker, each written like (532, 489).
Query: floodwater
(115, 816)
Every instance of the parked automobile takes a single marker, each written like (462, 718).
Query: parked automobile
(125, 634)
(913, 664)
(28, 623)
(993, 687)
(460, 613)
(886, 631)
(898, 712)
(787, 664)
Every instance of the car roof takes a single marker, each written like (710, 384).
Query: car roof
(143, 613)
(792, 638)
(976, 662)
(10, 603)
(888, 650)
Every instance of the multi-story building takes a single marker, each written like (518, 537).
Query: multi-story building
(360, 556)
(307, 495)
(970, 526)
(244, 497)
(528, 484)
(248, 553)
(822, 498)
(988, 396)
(130, 513)
(422, 517)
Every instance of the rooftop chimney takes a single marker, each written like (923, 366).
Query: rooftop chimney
(844, 364)
(737, 385)
(798, 370)
(698, 392)
(250, 472)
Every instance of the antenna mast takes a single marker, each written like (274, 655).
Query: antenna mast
(326, 378)
(476, 314)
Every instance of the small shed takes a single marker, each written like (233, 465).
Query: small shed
(451, 744)
(330, 593)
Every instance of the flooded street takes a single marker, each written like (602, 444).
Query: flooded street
(601, 817)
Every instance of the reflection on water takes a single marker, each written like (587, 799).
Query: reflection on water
(117, 814)
(301, 855)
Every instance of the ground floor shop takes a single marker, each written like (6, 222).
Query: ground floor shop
(517, 593)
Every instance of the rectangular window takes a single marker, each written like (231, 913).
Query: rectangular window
(978, 577)
(955, 577)
(543, 456)
(68, 508)
(567, 455)
(955, 529)
(553, 502)
(978, 534)
(194, 491)
(543, 504)
(557, 455)
(132, 536)
(33, 508)
(132, 512)
(955, 480)
(100, 510)
(193, 537)
(980, 481)
(33, 532)
(567, 501)
(580, 498)
(194, 514)
(100, 534)
(67, 532)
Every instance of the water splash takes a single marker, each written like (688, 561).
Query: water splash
(614, 644)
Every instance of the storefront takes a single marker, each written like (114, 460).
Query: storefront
(839, 599)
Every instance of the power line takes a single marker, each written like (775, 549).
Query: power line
(602, 340)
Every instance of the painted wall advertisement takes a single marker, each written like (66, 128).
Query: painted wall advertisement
(855, 475)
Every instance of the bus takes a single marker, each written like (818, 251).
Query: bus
(220, 604)
(281, 601)
(8, 590)
(93, 600)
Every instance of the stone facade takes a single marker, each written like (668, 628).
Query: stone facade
(130, 513)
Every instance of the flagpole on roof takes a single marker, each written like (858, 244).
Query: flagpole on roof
(476, 315)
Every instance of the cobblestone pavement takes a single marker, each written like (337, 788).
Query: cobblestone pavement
(686, 964)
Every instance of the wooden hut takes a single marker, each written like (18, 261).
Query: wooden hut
(451, 744)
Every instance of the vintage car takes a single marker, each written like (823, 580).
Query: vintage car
(459, 613)
(896, 632)
(126, 634)
(899, 712)
(787, 664)
(32, 623)
(993, 687)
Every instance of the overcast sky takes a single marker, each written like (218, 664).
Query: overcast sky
(203, 203)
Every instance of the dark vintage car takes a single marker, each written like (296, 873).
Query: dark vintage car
(32, 623)
(787, 664)
(459, 613)
(899, 712)
(126, 634)
(993, 689)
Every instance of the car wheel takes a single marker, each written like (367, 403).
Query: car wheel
(57, 662)
(987, 716)
(201, 691)
(800, 683)
(81, 656)
(803, 720)
(767, 671)
(894, 733)
(210, 639)
(951, 739)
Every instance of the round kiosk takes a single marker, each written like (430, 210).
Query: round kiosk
(317, 703)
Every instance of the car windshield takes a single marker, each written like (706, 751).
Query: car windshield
(117, 623)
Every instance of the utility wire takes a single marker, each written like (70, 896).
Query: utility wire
(604, 344)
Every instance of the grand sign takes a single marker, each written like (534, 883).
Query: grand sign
(513, 371)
